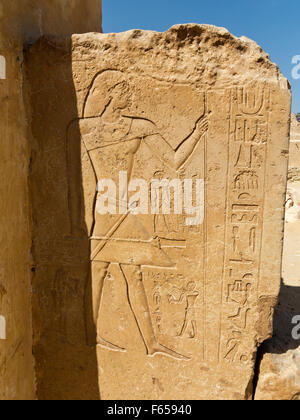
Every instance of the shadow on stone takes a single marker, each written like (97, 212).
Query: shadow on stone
(287, 308)
(66, 366)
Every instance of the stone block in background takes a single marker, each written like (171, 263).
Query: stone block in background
(279, 372)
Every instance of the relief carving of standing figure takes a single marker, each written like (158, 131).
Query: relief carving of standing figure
(110, 142)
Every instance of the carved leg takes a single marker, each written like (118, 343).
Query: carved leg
(183, 329)
(140, 309)
(189, 326)
(93, 298)
(193, 331)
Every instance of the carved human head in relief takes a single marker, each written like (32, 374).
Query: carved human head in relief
(108, 96)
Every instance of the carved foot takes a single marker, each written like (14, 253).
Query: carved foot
(109, 346)
(160, 349)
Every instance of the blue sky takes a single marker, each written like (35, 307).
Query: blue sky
(274, 24)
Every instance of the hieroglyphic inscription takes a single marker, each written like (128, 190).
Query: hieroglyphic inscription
(244, 224)
(176, 305)
(165, 240)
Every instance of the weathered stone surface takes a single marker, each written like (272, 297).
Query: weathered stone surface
(146, 305)
(27, 20)
(279, 372)
(291, 256)
(21, 22)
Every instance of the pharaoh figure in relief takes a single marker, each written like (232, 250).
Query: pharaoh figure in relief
(127, 135)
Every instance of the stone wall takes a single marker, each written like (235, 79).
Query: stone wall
(22, 22)
(153, 306)
(47, 263)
